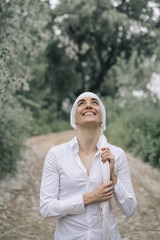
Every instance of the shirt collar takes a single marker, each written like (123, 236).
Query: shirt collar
(75, 146)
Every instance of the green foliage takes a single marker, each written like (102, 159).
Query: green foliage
(13, 119)
(60, 75)
(20, 37)
(96, 46)
(97, 33)
(135, 124)
(53, 81)
(40, 126)
(13, 128)
(129, 75)
(47, 57)
(48, 122)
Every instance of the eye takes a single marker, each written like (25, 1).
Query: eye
(95, 102)
(80, 103)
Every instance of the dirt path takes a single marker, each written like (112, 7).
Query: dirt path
(19, 197)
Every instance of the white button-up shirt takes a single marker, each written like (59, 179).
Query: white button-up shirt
(65, 180)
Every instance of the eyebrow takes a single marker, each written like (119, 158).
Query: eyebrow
(83, 100)
(94, 99)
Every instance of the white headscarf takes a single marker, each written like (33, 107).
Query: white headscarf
(73, 110)
(104, 206)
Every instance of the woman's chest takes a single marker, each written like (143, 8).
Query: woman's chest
(73, 175)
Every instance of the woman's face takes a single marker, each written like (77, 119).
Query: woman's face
(88, 112)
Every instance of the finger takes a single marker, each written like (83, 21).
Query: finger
(105, 149)
(107, 154)
(104, 158)
(106, 195)
(106, 198)
(109, 190)
(110, 196)
(108, 184)
(107, 157)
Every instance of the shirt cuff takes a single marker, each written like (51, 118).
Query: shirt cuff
(78, 205)
(73, 205)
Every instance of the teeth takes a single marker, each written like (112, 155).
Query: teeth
(89, 113)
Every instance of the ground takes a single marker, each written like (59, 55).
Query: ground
(19, 197)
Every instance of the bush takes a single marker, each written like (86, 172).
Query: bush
(13, 126)
(135, 126)
(48, 122)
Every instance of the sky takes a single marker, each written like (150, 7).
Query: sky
(53, 3)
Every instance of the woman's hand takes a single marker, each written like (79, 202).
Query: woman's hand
(107, 155)
(102, 192)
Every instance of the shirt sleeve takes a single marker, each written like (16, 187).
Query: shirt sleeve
(50, 205)
(123, 190)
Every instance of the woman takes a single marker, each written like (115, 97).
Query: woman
(81, 176)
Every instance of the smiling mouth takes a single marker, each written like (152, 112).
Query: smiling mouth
(89, 113)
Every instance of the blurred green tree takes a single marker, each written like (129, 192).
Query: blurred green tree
(60, 76)
(20, 38)
(134, 124)
(97, 33)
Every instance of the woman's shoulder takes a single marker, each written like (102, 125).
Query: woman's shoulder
(59, 148)
(56, 152)
(63, 147)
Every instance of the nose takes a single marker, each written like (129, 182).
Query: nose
(88, 105)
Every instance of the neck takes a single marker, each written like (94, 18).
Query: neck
(87, 139)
